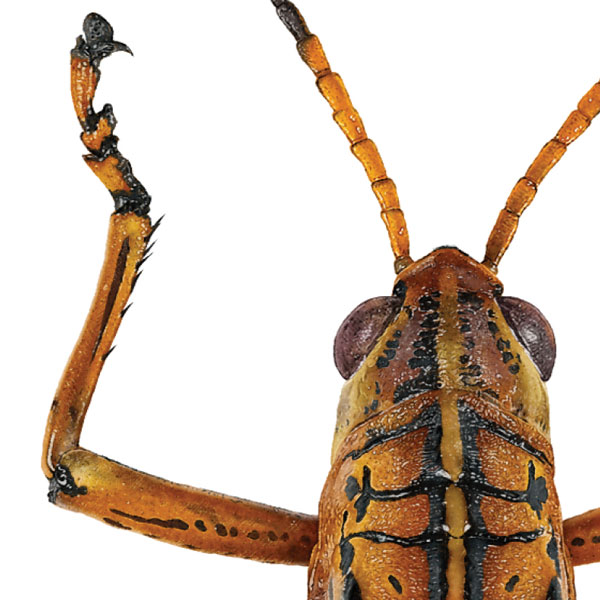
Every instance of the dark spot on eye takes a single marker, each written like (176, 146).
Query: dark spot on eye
(533, 331)
(464, 359)
(506, 357)
(200, 525)
(361, 330)
(254, 535)
(514, 369)
(221, 529)
(577, 541)
(382, 363)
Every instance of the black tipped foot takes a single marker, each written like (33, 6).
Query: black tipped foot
(63, 482)
(98, 43)
(292, 19)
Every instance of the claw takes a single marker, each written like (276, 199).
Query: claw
(98, 43)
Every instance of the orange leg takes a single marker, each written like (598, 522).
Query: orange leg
(346, 116)
(583, 537)
(86, 482)
(524, 192)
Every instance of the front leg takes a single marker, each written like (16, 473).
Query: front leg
(86, 482)
(583, 537)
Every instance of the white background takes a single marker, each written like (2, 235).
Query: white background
(223, 376)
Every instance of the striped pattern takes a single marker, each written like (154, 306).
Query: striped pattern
(445, 489)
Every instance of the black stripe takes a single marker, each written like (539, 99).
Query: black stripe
(113, 291)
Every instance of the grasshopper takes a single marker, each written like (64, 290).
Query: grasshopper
(442, 472)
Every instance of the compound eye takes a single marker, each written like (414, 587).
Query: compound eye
(360, 331)
(533, 331)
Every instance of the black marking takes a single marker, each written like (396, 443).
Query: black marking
(431, 482)
(470, 375)
(554, 591)
(233, 532)
(272, 536)
(471, 299)
(116, 524)
(152, 231)
(253, 535)
(351, 589)
(475, 487)
(124, 311)
(63, 481)
(578, 541)
(98, 43)
(537, 492)
(200, 526)
(113, 291)
(292, 19)
(596, 539)
(136, 200)
(352, 487)
(395, 584)
(346, 549)
(425, 353)
(135, 280)
(475, 421)
(167, 524)
(107, 354)
(400, 290)
(510, 584)
(144, 258)
(494, 330)
(429, 418)
(427, 482)
(221, 529)
(504, 347)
